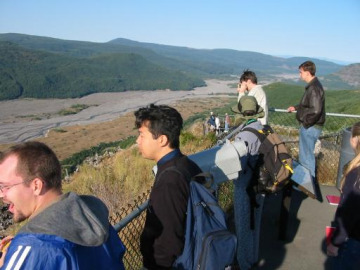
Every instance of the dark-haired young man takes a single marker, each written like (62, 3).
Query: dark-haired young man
(162, 240)
(248, 86)
(64, 231)
(310, 114)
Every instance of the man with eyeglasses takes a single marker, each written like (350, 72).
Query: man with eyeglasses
(63, 231)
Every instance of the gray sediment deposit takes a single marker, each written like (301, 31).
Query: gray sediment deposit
(25, 119)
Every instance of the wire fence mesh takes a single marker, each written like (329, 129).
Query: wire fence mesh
(130, 232)
(327, 153)
(328, 147)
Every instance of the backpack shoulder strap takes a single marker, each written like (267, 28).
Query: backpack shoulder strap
(260, 136)
(204, 178)
(158, 175)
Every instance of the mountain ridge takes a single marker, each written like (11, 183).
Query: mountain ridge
(64, 68)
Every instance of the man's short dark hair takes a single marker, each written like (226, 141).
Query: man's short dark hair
(36, 160)
(248, 75)
(308, 66)
(161, 120)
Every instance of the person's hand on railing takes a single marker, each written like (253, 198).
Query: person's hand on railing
(291, 109)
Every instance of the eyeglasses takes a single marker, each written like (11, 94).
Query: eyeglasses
(4, 188)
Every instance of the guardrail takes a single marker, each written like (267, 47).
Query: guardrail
(327, 151)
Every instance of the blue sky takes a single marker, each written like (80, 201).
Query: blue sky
(319, 28)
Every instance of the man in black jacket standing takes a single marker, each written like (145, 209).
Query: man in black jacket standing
(310, 114)
(162, 239)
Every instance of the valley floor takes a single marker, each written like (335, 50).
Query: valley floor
(109, 119)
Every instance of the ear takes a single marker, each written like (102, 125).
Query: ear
(163, 140)
(38, 186)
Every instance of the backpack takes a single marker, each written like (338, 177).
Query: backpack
(275, 163)
(208, 243)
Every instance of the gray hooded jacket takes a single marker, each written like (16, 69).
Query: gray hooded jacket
(82, 220)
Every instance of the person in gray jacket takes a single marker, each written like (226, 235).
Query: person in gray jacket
(247, 204)
(63, 231)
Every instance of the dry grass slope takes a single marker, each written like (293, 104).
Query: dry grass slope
(121, 178)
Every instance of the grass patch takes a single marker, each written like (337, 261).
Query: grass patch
(59, 130)
(74, 109)
(76, 159)
(26, 116)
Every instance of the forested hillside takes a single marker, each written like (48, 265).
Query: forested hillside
(281, 96)
(39, 74)
(217, 62)
(226, 61)
(43, 67)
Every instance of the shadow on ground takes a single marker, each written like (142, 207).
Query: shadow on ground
(300, 244)
(277, 232)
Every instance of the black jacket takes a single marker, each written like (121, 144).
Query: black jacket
(162, 240)
(311, 110)
(347, 217)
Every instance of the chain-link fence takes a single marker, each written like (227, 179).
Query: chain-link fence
(130, 221)
(328, 147)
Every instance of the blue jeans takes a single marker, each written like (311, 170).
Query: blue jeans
(248, 239)
(349, 256)
(307, 140)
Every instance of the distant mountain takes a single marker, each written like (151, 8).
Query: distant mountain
(226, 61)
(346, 78)
(43, 67)
(40, 74)
(281, 96)
(217, 62)
(339, 62)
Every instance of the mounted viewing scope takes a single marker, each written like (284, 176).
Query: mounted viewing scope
(222, 161)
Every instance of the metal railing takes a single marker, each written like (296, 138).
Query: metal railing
(129, 222)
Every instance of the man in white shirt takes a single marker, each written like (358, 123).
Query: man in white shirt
(248, 86)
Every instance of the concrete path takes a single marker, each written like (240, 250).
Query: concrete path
(304, 247)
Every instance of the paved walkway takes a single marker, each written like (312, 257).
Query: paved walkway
(304, 247)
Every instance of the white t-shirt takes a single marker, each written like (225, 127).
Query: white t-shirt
(260, 96)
